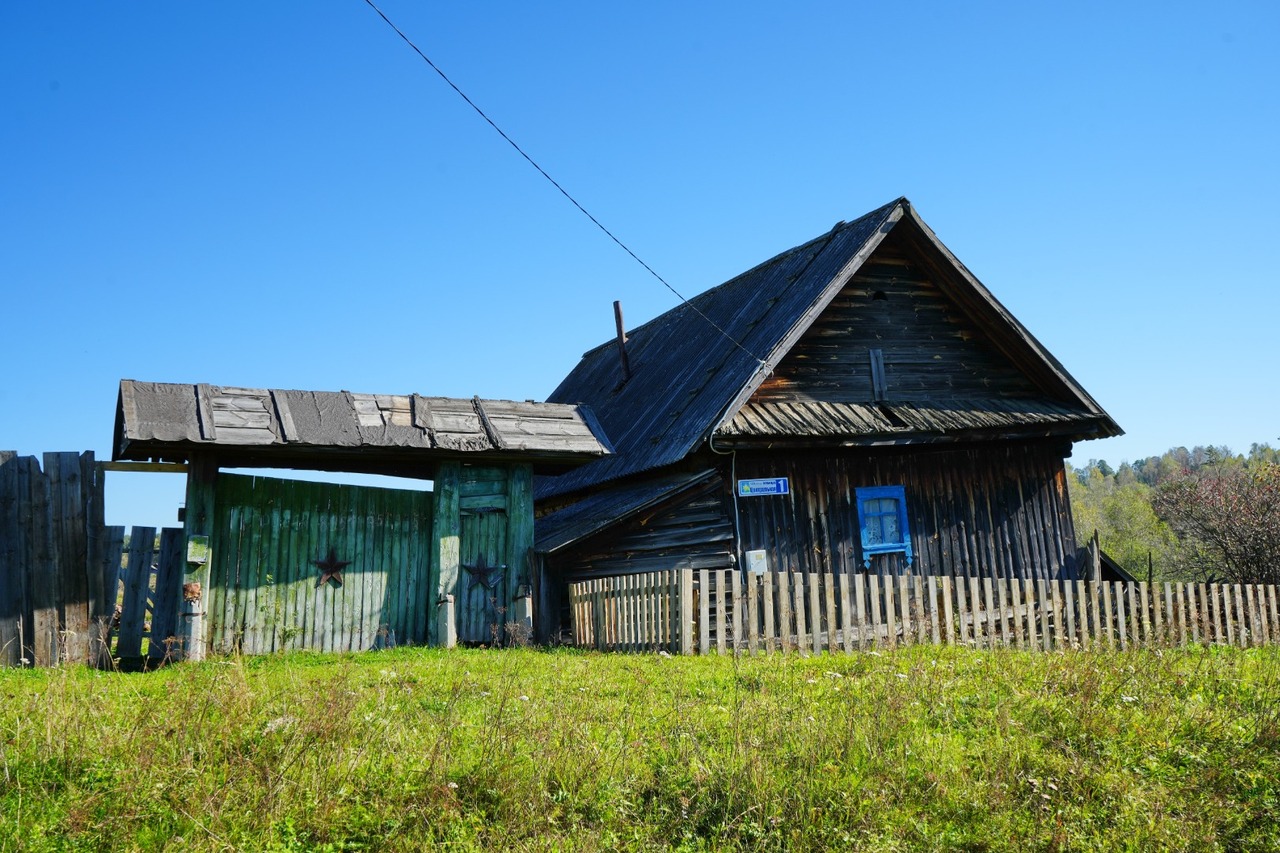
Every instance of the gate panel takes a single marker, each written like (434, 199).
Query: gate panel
(316, 565)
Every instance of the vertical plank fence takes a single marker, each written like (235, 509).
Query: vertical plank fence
(53, 605)
(686, 611)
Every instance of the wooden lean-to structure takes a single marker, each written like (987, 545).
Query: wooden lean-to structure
(283, 564)
(870, 407)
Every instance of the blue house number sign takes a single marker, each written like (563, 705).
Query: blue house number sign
(763, 486)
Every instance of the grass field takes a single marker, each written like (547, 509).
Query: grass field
(922, 748)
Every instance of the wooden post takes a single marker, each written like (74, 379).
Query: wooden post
(446, 623)
(446, 535)
(522, 610)
(1095, 558)
(202, 477)
(519, 554)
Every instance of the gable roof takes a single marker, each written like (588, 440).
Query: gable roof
(689, 381)
(339, 430)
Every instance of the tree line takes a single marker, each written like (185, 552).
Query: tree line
(1204, 514)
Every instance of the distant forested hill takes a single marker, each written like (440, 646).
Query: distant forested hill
(1200, 514)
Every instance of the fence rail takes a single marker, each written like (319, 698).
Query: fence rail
(686, 611)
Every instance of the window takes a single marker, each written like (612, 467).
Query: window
(882, 518)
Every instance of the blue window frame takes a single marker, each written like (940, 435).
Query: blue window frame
(882, 518)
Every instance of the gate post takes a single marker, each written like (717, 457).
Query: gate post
(446, 623)
(202, 475)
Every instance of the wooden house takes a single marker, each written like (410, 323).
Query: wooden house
(859, 403)
(281, 564)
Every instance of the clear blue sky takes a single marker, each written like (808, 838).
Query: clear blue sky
(283, 195)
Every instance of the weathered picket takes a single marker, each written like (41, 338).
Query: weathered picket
(720, 610)
(148, 601)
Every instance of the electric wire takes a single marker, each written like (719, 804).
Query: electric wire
(555, 184)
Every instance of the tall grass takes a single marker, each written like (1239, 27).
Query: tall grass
(923, 748)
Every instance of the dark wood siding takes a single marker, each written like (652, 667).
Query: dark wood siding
(692, 530)
(997, 510)
(928, 347)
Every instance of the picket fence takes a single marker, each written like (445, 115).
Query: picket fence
(687, 611)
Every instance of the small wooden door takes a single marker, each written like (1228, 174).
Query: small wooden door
(483, 594)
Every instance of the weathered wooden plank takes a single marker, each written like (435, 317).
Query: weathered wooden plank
(798, 608)
(752, 595)
(1071, 639)
(1264, 621)
(14, 604)
(904, 608)
(1251, 612)
(1196, 597)
(704, 611)
(170, 563)
(964, 614)
(1055, 602)
(726, 637)
(1144, 610)
(109, 554)
(1269, 608)
(686, 611)
(1048, 614)
(1086, 626)
(878, 635)
(1242, 615)
(815, 611)
(43, 579)
(931, 590)
(991, 618)
(1180, 612)
(1007, 601)
(829, 590)
(948, 613)
(973, 598)
(62, 473)
(1125, 594)
(136, 583)
(1164, 614)
(1029, 612)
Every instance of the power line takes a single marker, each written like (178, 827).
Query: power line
(553, 181)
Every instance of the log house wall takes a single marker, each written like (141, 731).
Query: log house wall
(997, 510)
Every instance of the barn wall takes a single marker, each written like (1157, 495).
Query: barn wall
(998, 510)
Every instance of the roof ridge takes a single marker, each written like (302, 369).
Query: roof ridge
(708, 294)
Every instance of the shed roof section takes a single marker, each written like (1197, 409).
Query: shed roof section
(607, 508)
(342, 430)
(689, 381)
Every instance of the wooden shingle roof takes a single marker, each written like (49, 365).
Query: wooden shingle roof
(689, 382)
(341, 430)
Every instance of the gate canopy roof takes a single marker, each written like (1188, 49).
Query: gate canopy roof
(343, 431)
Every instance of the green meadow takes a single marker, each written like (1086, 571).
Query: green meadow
(922, 748)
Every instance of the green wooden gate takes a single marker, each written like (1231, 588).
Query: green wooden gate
(275, 540)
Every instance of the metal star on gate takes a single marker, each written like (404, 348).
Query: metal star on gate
(484, 574)
(330, 568)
